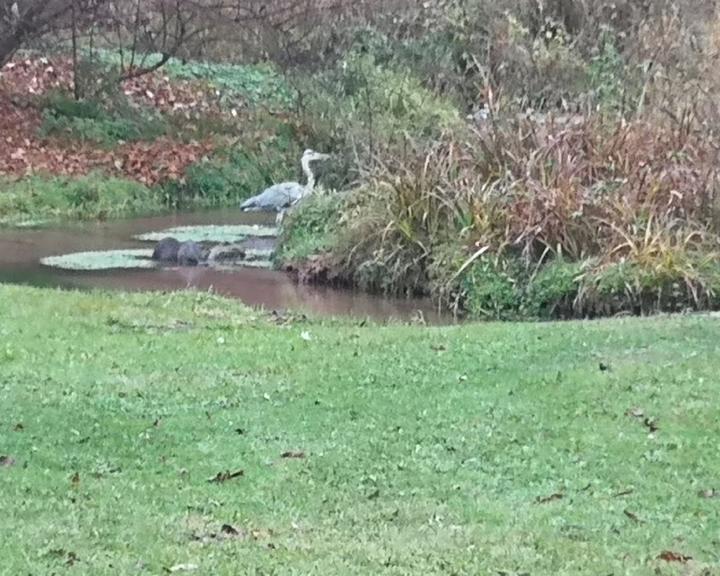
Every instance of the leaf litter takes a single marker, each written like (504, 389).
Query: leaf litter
(24, 151)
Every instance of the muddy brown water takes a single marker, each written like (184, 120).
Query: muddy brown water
(22, 249)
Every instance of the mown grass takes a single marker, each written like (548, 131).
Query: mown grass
(476, 449)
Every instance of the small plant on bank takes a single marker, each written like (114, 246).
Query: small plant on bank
(493, 289)
(104, 123)
(311, 228)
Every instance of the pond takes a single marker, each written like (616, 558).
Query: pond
(22, 248)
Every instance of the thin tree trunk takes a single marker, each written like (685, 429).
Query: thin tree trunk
(77, 75)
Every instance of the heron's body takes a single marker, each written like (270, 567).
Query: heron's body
(281, 196)
(277, 197)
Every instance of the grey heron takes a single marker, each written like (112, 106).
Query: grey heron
(280, 196)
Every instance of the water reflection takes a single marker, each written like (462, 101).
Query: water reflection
(21, 250)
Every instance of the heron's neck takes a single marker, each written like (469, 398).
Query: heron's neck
(309, 175)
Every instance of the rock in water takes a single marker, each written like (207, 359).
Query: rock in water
(166, 250)
(227, 253)
(190, 254)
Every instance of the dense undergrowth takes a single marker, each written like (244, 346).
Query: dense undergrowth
(583, 185)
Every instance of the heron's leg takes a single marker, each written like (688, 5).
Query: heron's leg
(279, 218)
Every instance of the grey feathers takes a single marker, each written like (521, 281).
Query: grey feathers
(275, 198)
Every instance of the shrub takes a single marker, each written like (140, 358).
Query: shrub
(553, 291)
(402, 218)
(689, 282)
(361, 110)
(311, 228)
(493, 289)
(566, 193)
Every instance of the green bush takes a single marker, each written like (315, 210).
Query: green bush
(310, 228)
(493, 288)
(553, 290)
(360, 110)
(87, 197)
(610, 80)
(503, 289)
(63, 105)
(644, 287)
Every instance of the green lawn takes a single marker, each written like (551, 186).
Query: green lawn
(499, 449)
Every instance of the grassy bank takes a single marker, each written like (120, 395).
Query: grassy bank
(575, 448)
(43, 198)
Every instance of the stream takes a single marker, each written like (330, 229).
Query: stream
(22, 248)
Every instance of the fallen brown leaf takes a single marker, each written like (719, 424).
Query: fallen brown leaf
(670, 556)
(374, 494)
(228, 529)
(221, 477)
(631, 515)
(75, 479)
(293, 455)
(7, 461)
(551, 498)
(710, 493)
(56, 552)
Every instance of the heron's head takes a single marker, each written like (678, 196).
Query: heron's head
(311, 156)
